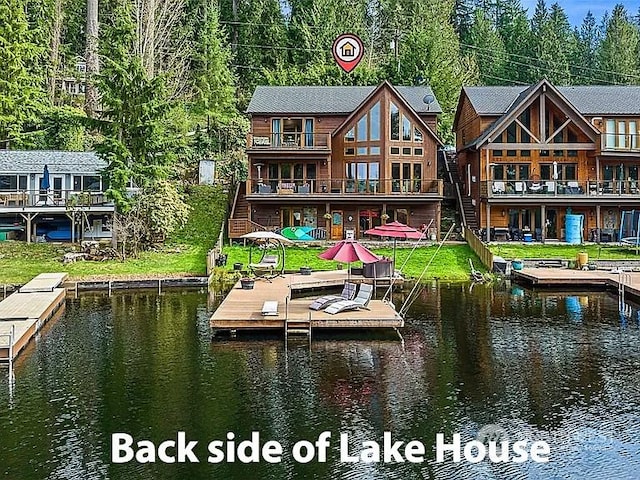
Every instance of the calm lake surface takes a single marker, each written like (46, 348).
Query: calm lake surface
(558, 367)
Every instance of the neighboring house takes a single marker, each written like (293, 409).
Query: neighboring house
(527, 156)
(339, 160)
(75, 190)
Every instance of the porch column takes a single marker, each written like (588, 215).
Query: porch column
(543, 220)
(29, 217)
(327, 221)
(384, 210)
(488, 222)
(598, 223)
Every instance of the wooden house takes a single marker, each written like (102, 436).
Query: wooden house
(29, 209)
(336, 161)
(528, 156)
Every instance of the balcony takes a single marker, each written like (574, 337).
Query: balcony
(346, 187)
(51, 198)
(567, 189)
(620, 142)
(289, 141)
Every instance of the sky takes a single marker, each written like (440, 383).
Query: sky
(577, 9)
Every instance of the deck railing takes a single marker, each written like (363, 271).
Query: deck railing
(555, 188)
(51, 198)
(345, 186)
(289, 141)
(242, 226)
(620, 142)
(483, 252)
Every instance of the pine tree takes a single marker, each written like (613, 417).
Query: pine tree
(488, 50)
(513, 27)
(584, 69)
(618, 52)
(21, 90)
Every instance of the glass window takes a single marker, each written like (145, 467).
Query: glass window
(362, 150)
(417, 135)
(417, 171)
(512, 153)
(497, 153)
(308, 131)
(8, 182)
(22, 182)
(395, 122)
(622, 134)
(351, 170)
(374, 171)
(374, 133)
(350, 136)
(633, 135)
(285, 171)
(362, 129)
(498, 172)
(292, 125)
(523, 172)
(77, 183)
(298, 171)
(608, 172)
(570, 172)
(406, 129)
(374, 150)
(395, 171)
(276, 132)
(544, 153)
(406, 171)
(525, 153)
(610, 138)
(417, 152)
(406, 150)
(362, 171)
(91, 183)
(395, 150)
(545, 171)
(311, 171)
(349, 151)
(511, 172)
(511, 133)
(273, 170)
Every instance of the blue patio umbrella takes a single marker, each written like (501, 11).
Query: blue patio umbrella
(45, 183)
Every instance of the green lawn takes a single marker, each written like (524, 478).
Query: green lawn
(451, 263)
(566, 252)
(20, 262)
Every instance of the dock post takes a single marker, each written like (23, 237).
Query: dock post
(109, 287)
(76, 289)
(4, 290)
(159, 286)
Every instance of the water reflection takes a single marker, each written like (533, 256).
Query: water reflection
(543, 365)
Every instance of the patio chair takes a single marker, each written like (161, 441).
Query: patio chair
(361, 301)
(550, 186)
(348, 292)
(573, 188)
(498, 187)
(520, 187)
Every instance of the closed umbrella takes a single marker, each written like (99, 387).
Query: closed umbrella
(45, 183)
(347, 251)
(395, 230)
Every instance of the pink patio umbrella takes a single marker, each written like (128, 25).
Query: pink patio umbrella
(347, 251)
(396, 230)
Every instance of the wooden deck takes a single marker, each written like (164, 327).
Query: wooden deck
(242, 309)
(25, 313)
(562, 277)
(45, 282)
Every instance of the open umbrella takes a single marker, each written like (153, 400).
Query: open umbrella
(395, 230)
(347, 251)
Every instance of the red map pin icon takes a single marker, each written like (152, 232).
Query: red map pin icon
(348, 51)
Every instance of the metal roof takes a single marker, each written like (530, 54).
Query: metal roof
(588, 100)
(329, 100)
(33, 161)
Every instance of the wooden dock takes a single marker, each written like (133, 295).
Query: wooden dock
(242, 309)
(563, 277)
(24, 313)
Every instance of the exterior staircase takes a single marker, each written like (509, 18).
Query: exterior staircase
(465, 206)
(239, 223)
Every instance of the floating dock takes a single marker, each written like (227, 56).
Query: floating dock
(629, 282)
(24, 313)
(242, 309)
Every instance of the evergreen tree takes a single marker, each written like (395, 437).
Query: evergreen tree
(513, 27)
(488, 50)
(584, 69)
(618, 52)
(21, 91)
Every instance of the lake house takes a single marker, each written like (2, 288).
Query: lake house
(528, 156)
(332, 162)
(67, 201)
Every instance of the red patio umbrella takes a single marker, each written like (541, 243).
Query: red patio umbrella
(347, 251)
(396, 230)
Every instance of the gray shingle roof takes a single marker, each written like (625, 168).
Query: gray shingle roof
(588, 100)
(33, 161)
(328, 100)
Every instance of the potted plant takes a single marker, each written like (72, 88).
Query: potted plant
(247, 282)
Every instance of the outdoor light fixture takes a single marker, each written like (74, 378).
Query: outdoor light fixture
(504, 213)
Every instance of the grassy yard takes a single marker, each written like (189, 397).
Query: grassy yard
(20, 262)
(451, 263)
(566, 252)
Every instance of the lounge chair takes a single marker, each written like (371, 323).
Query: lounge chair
(266, 267)
(348, 292)
(361, 301)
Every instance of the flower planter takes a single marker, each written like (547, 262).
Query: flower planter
(237, 266)
(247, 283)
(305, 270)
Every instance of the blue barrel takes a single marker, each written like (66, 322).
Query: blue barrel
(573, 228)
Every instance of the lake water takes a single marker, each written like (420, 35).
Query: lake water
(562, 368)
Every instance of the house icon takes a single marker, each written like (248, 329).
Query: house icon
(347, 50)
